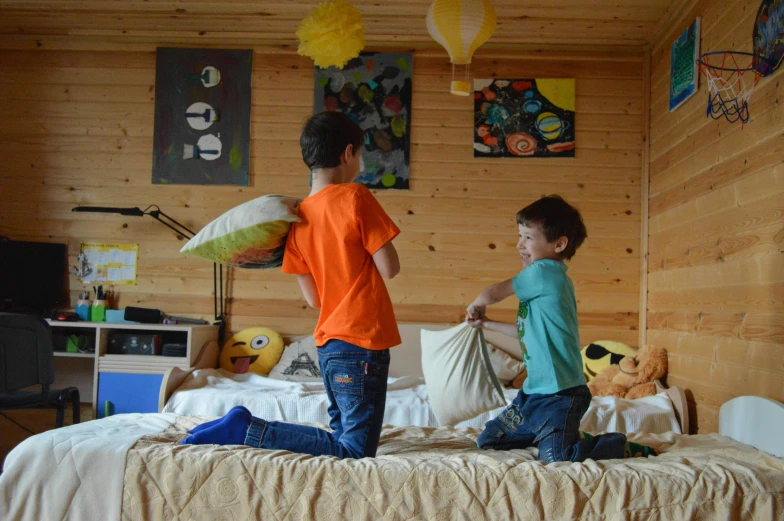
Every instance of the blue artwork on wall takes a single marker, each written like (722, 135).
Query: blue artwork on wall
(683, 65)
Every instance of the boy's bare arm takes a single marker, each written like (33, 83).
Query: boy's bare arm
(308, 285)
(387, 261)
(502, 327)
(491, 295)
(482, 321)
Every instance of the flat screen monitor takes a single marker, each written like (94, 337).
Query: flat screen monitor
(32, 275)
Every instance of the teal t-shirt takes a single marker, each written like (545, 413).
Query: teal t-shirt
(547, 326)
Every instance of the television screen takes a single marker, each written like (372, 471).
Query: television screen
(32, 275)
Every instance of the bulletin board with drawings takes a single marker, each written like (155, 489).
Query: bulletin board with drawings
(111, 263)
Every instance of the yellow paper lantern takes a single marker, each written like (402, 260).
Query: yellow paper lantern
(332, 34)
(461, 27)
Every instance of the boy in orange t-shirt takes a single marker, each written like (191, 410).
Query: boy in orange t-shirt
(340, 250)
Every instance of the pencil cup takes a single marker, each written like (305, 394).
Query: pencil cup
(98, 312)
(83, 309)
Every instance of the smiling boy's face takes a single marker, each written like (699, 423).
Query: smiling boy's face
(533, 246)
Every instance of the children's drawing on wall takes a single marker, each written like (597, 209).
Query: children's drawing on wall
(684, 72)
(769, 36)
(524, 117)
(202, 117)
(374, 89)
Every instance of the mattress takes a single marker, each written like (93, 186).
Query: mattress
(213, 392)
(419, 474)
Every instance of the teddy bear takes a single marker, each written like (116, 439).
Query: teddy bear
(633, 377)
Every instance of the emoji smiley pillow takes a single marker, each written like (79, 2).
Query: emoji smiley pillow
(253, 350)
(599, 355)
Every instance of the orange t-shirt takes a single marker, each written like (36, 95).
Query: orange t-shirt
(341, 227)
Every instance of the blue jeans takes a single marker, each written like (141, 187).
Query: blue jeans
(356, 382)
(551, 422)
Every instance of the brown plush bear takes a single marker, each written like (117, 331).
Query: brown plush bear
(633, 377)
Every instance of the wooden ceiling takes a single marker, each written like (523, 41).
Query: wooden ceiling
(522, 24)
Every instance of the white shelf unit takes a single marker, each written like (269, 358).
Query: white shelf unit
(195, 337)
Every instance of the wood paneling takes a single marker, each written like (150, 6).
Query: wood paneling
(79, 128)
(59, 24)
(716, 206)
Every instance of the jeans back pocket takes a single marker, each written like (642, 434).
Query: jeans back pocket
(347, 382)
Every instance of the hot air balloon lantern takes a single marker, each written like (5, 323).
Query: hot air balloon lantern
(461, 27)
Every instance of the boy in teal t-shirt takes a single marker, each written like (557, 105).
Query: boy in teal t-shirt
(548, 409)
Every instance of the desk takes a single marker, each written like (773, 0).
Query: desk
(127, 382)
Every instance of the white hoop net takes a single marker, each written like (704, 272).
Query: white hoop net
(729, 84)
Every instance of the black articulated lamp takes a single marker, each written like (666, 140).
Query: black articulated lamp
(155, 212)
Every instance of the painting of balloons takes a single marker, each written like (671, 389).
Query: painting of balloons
(524, 118)
(374, 90)
(202, 117)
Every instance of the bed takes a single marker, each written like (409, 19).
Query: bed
(132, 467)
(207, 391)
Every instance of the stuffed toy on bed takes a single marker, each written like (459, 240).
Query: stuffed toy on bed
(633, 377)
(253, 350)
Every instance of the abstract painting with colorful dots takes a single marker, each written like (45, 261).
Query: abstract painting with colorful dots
(374, 90)
(524, 117)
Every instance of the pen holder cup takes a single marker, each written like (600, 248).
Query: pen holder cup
(83, 309)
(98, 312)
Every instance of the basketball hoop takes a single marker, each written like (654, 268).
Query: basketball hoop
(729, 84)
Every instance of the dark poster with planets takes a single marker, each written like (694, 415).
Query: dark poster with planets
(202, 117)
(524, 118)
(374, 90)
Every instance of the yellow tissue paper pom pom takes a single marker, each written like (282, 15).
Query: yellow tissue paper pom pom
(332, 34)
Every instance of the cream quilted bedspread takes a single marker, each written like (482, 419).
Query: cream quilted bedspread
(438, 474)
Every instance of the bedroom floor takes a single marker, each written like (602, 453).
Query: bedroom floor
(35, 420)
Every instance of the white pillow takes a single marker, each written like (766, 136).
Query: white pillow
(251, 235)
(505, 366)
(299, 362)
(460, 380)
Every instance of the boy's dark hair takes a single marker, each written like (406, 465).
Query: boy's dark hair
(556, 218)
(325, 137)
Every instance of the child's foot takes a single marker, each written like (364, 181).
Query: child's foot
(229, 430)
(205, 425)
(635, 450)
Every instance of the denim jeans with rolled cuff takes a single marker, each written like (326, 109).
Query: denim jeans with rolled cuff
(550, 422)
(356, 383)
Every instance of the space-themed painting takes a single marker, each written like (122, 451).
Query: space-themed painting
(524, 117)
(202, 117)
(374, 89)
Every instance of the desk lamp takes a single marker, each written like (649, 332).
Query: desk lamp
(155, 212)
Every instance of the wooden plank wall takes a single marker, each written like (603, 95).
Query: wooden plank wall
(716, 206)
(531, 23)
(78, 131)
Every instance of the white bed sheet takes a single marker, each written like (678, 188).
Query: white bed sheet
(78, 472)
(213, 392)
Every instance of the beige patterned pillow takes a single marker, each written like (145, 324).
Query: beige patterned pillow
(299, 362)
(505, 366)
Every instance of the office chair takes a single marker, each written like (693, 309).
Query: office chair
(26, 360)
